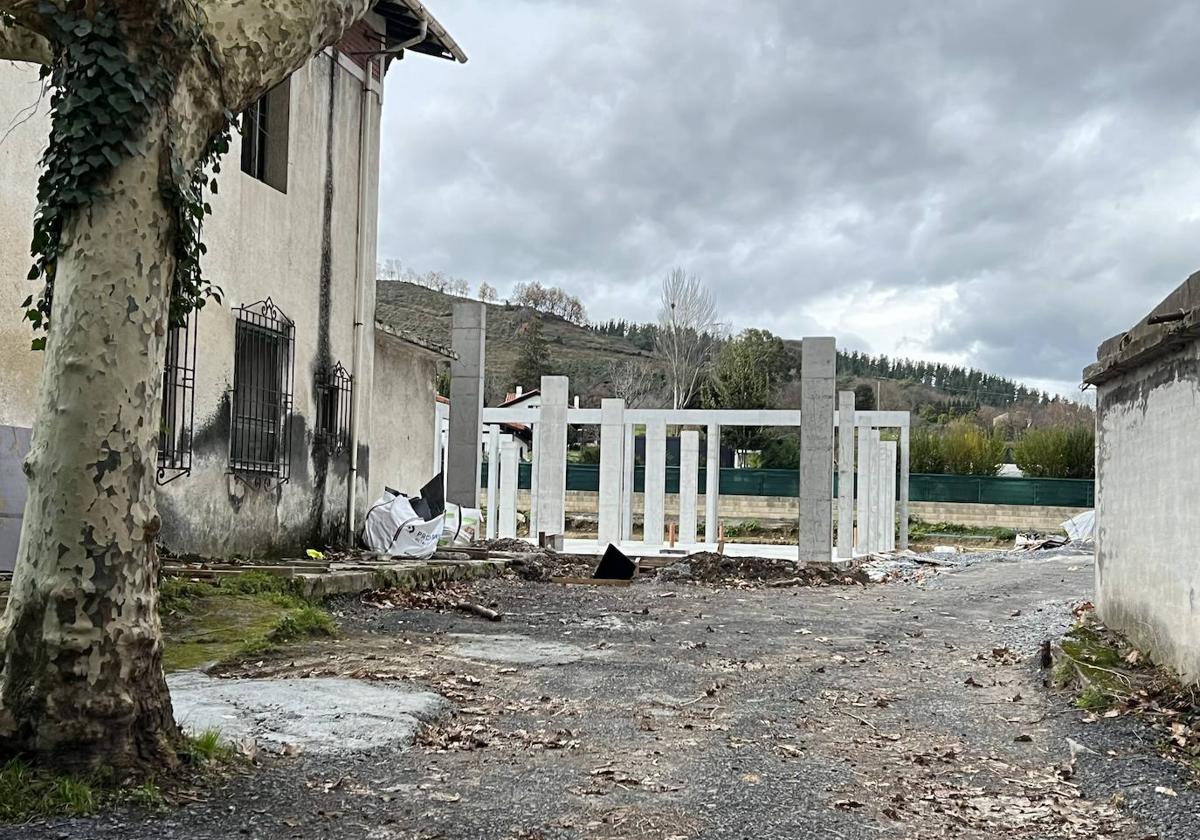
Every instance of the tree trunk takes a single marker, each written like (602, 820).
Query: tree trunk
(82, 685)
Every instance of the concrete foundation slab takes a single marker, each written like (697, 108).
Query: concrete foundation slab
(317, 715)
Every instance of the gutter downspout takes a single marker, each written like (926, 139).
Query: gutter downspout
(365, 260)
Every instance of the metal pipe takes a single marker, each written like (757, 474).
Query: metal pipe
(364, 158)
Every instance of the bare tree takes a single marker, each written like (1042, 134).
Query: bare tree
(487, 293)
(140, 91)
(637, 381)
(550, 300)
(687, 332)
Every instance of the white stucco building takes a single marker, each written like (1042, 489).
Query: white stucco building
(1147, 383)
(286, 406)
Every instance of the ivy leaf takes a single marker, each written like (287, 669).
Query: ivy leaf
(38, 343)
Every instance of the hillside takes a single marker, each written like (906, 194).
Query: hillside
(587, 355)
(579, 353)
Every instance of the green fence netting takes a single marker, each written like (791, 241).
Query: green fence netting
(977, 489)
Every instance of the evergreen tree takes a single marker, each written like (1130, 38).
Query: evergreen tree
(533, 355)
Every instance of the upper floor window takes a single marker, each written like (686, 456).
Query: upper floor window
(265, 137)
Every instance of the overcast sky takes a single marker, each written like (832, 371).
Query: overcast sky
(1003, 184)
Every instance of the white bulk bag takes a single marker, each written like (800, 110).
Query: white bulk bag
(392, 527)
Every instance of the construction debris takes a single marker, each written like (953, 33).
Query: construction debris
(614, 565)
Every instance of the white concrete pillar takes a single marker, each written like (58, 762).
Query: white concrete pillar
(493, 479)
(510, 465)
(903, 486)
(441, 418)
(889, 495)
(533, 482)
(552, 456)
(817, 385)
(655, 483)
(468, 336)
(863, 513)
(612, 470)
(875, 509)
(689, 466)
(712, 484)
(630, 460)
(845, 530)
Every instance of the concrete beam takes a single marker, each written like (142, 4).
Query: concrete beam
(845, 530)
(551, 448)
(612, 470)
(468, 336)
(817, 378)
(655, 483)
(689, 466)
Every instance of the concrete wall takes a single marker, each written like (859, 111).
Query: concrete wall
(299, 248)
(774, 509)
(402, 417)
(20, 369)
(1147, 464)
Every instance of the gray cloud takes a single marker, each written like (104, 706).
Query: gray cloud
(999, 183)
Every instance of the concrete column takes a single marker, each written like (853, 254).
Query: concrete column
(903, 488)
(493, 462)
(875, 510)
(533, 480)
(817, 369)
(612, 470)
(656, 482)
(889, 495)
(712, 484)
(551, 496)
(441, 418)
(510, 464)
(862, 540)
(630, 455)
(845, 538)
(468, 336)
(689, 465)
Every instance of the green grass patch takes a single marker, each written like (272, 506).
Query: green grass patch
(29, 793)
(247, 615)
(919, 531)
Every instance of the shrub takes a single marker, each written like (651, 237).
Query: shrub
(1057, 452)
(961, 448)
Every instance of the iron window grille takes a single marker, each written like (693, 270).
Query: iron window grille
(334, 388)
(178, 413)
(261, 401)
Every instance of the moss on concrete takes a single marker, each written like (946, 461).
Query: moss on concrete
(243, 616)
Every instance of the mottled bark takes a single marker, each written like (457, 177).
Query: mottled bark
(20, 44)
(82, 685)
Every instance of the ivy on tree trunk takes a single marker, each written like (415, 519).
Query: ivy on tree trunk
(142, 95)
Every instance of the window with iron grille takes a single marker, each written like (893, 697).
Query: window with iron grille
(334, 387)
(178, 402)
(261, 401)
(265, 137)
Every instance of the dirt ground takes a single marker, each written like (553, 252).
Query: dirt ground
(675, 710)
